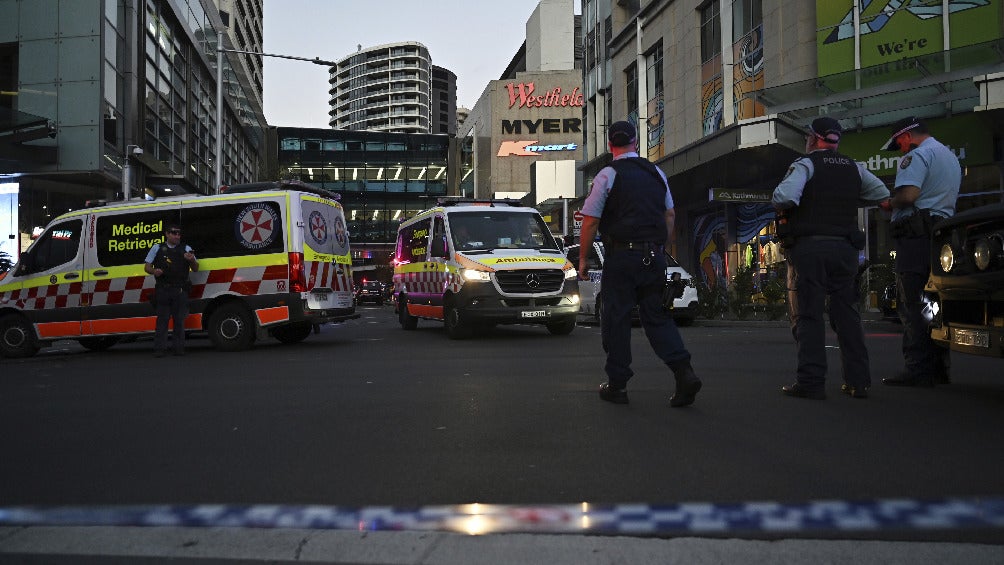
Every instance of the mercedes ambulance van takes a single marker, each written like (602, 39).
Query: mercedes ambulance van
(273, 261)
(474, 264)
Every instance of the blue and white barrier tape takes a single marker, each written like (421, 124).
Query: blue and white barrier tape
(887, 514)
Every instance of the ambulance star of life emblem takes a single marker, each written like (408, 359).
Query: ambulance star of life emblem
(318, 227)
(255, 225)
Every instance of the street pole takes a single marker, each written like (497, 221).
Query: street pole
(220, 50)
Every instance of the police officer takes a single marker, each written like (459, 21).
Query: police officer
(170, 263)
(927, 186)
(819, 198)
(631, 206)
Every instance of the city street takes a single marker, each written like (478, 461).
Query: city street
(366, 414)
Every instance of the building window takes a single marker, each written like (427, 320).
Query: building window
(631, 79)
(747, 15)
(711, 32)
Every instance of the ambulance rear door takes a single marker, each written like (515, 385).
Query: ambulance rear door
(327, 260)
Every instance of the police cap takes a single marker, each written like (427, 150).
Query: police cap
(827, 129)
(901, 127)
(621, 133)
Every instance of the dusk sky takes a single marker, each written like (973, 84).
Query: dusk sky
(473, 38)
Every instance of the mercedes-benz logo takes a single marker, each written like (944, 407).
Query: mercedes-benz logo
(533, 280)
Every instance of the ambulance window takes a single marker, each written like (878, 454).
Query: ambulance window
(413, 242)
(59, 245)
(323, 227)
(125, 239)
(233, 230)
(439, 237)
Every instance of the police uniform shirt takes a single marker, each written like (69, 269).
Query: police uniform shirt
(934, 169)
(604, 181)
(152, 254)
(788, 193)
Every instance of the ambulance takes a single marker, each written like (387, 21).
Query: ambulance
(473, 264)
(273, 261)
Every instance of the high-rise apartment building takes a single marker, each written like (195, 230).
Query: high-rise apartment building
(383, 88)
(242, 21)
(443, 101)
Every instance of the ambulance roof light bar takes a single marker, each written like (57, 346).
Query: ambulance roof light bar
(279, 185)
(456, 200)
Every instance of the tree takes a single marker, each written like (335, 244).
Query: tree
(6, 262)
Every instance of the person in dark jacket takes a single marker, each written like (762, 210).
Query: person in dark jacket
(169, 263)
(819, 199)
(630, 205)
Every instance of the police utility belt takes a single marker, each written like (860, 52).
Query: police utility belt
(919, 224)
(633, 246)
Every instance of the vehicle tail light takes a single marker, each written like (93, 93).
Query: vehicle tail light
(297, 278)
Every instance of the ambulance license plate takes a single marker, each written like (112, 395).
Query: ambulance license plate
(972, 338)
(321, 296)
(534, 314)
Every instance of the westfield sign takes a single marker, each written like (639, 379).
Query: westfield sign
(525, 95)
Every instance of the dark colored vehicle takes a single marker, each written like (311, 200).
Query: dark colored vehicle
(370, 291)
(967, 281)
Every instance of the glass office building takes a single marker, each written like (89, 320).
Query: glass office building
(383, 178)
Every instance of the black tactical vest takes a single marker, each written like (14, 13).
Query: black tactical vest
(829, 203)
(635, 209)
(172, 262)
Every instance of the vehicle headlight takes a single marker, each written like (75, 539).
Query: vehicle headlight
(571, 274)
(986, 250)
(947, 258)
(473, 275)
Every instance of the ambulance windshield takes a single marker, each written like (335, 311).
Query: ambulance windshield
(486, 230)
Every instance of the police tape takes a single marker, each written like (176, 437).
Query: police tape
(633, 519)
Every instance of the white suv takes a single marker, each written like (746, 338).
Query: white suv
(684, 308)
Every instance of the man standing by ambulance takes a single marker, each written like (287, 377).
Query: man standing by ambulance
(169, 263)
(927, 185)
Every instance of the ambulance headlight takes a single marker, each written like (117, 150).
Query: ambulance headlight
(571, 274)
(947, 258)
(473, 275)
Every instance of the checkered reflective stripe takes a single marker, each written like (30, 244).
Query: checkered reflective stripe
(430, 282)
(43, 297)
(327, 275)
(130, 290)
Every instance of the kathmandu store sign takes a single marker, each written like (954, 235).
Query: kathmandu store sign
(525, 95)
(530, 148)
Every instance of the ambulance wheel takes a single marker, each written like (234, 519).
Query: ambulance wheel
(17, 338)
(455, 327)
(408, 321)
(98, 343)
(231, 328)
(293, 333)
(562, 327)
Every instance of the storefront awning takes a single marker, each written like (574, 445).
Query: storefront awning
(750, 154)
(18, 127)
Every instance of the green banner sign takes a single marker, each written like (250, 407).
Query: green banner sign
(893, 30)
(968, 135)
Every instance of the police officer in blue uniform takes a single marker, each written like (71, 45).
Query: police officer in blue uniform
(818, 200)
(927, 185)
(630, 205)
(170, 263)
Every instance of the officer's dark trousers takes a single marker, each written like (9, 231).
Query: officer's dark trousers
(172, 304)
(817, 269)
(628, 281)
(924, 359)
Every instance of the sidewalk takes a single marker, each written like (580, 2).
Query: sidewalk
(105, 545)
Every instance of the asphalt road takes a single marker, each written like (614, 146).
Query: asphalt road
(365, 414)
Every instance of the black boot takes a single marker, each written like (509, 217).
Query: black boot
(687, 384)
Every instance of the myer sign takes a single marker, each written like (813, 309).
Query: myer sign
(739, 195)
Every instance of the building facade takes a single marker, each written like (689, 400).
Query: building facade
(113, 96)
(242, 21)
(523, 137)
(443, 101)
(383, 178)
(744, 77)
(383, 88)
